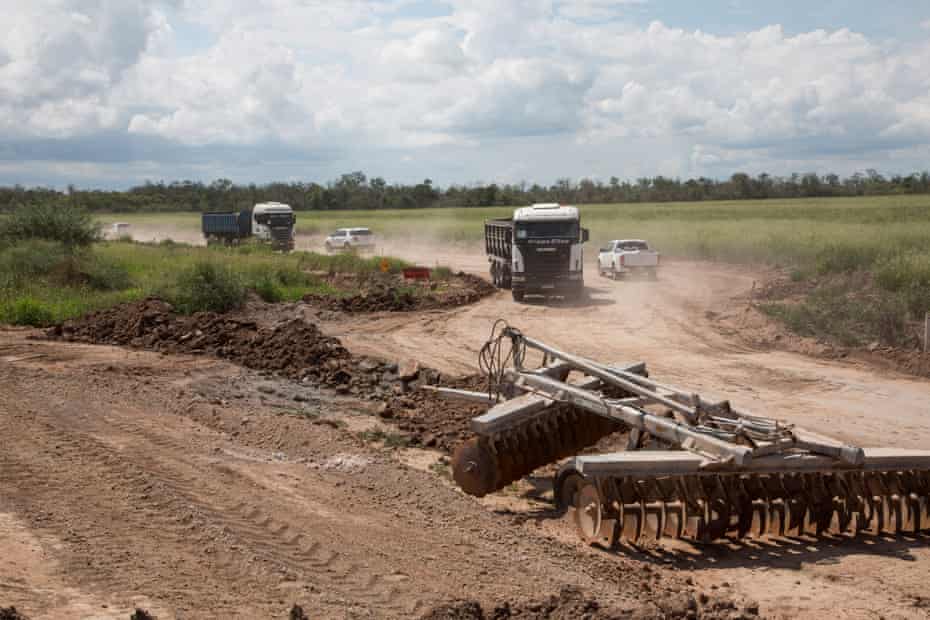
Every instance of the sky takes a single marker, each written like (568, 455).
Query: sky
(112, 93)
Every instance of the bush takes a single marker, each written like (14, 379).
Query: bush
(206, 286)
(27, 311)
(62, 222)
(104, 274)
(28, 260)
(37, 259)
(268, 290)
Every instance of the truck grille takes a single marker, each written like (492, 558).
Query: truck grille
(552, 260)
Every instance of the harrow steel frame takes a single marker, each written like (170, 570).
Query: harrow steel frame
(720, 472)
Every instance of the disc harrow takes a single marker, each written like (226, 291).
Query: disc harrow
(711, 471)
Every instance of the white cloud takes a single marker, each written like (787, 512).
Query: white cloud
(349, 74)
(61, 59)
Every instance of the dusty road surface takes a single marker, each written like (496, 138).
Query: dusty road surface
(195, 488)
(671, 324)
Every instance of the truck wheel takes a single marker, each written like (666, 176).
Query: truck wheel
(517, 295)
(346, 246)
(497, 275)
(506, 280)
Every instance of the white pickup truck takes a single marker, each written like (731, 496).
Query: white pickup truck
(623, 256)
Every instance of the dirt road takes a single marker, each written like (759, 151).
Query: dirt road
(672, 325)
(196, 488)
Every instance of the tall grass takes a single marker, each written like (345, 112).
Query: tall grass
(782, 232)
(42, 282)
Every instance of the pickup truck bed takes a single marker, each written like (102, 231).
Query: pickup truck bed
(625, 256)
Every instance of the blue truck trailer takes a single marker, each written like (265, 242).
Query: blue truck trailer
(228, 228)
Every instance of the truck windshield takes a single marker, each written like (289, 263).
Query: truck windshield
(280, 219)
(629, 246)
(539, 230)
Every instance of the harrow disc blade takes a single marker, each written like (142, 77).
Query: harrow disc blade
(589, 512)
(475, 468)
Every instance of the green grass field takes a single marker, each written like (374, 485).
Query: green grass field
(862, 265)
(783, 232)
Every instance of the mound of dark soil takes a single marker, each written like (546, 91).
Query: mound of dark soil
(293, 348)
(430, 420)
(389, 293)
(571, 604)
(10, 613)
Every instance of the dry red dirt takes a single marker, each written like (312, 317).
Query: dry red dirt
(390, 293)
(193, 487)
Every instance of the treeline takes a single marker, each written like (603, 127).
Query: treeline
(356, 191)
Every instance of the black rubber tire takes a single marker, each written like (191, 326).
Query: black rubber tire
(517, 295)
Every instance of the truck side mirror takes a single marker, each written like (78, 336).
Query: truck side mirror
(584, 235)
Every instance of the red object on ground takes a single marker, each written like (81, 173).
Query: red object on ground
(416, 273)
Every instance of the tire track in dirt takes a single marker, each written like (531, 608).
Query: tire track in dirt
(270, 533)
(176, 504)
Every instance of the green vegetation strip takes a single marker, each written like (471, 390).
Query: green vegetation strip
(861, 266)
(52, 268)
(840, 232)
(41, 284)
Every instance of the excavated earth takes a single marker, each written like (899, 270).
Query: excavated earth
(190, 486)
(389, 293)
(292, 348)
(571, 603)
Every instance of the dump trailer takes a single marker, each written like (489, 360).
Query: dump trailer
(537, 252)
(690, 468)
(228, 227)
(269, 222)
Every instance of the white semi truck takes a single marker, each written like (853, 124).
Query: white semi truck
(538, 251)
(270, 222)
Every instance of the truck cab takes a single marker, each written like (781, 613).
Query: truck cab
(538, 251)
(274, 222)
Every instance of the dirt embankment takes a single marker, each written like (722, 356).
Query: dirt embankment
(571, 603)
(826, 326)
(292, 348)
(390, 293)
(10, 613)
